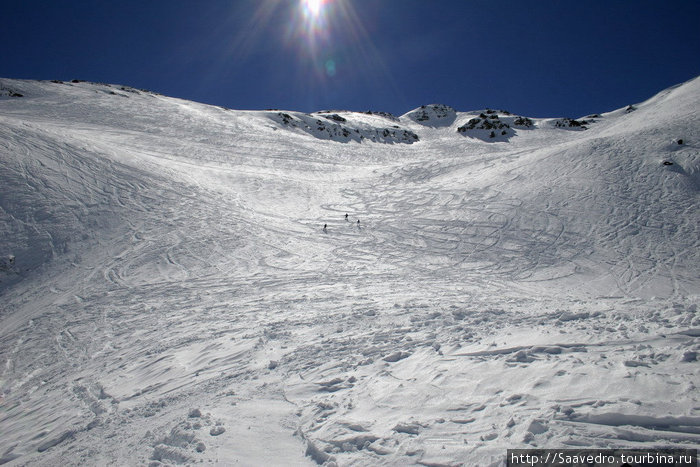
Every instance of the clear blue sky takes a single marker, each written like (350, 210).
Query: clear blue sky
(544, 58)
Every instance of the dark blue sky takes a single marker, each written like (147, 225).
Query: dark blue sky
(544, 58)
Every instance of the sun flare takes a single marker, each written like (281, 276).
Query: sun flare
(313, 6)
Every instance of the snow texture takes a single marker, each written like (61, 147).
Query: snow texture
(169, 295)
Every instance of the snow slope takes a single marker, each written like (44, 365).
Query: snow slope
(169, 296)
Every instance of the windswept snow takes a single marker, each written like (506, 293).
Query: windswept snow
(170, 297)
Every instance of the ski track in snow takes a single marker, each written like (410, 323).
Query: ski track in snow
(173, 299)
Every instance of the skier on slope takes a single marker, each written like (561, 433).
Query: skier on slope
(346, 216)
(325, 227)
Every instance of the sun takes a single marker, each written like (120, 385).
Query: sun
(313, 7)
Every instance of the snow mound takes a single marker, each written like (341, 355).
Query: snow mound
(332, 126)
(433, 115)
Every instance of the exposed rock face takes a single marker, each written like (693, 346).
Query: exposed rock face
(434, 115)
(337, 128)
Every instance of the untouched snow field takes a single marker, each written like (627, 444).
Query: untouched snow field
(169, 295)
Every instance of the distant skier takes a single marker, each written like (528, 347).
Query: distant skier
(325, 228)
(358, 223)
(346, 216)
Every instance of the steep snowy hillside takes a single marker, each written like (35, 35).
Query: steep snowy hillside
(170, 294)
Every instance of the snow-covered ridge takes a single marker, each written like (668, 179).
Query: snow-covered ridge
(434, 115)
(171, 296)
(337, 128)
(346, 126)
